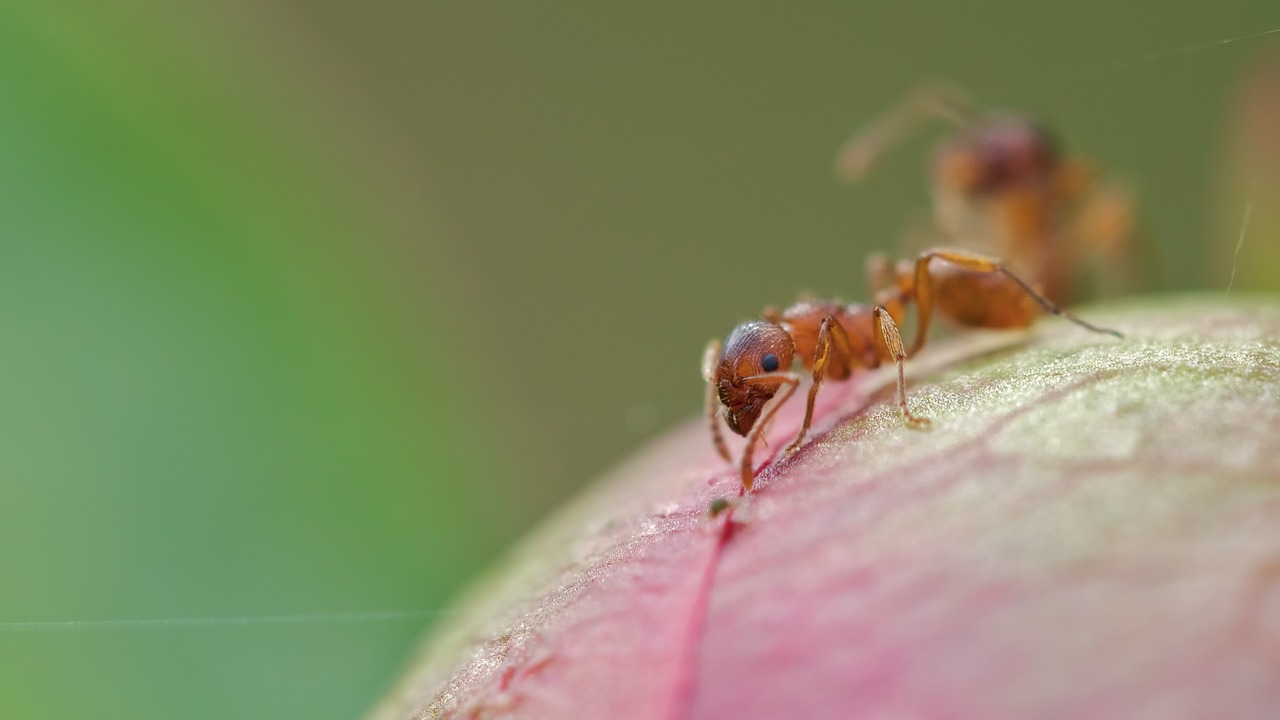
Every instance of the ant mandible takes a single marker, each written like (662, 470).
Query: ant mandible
(1001, 184)
(753, 364)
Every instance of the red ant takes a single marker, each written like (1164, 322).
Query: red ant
(833, 340)
(1001, 184)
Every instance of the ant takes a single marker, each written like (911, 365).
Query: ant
(1001, 184)
(753, 364)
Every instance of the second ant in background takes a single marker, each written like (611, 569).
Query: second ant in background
(1002, 186)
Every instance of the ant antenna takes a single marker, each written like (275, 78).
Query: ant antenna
(928, 101)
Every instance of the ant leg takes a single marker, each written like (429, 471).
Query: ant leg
(923, 291)
(1101, 231)
(709, 359)
(880, 275)
(888, 330)
(833, 344)
(978, 263)
(792, 381)
(931, 100)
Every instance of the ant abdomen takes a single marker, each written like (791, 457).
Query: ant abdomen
(981, 299)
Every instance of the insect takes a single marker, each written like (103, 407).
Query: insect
(752, 367)
(718, 506)
(1000, 184)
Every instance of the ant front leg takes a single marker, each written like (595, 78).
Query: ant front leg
(977, 263)
(888, 330)
(791, 381)
(832, 346)
(710, 357)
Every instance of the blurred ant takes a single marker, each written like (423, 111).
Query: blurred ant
(753, 364)
(1000, 184)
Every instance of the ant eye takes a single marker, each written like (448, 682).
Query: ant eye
(769, 362)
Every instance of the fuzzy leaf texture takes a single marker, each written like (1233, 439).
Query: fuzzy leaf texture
(1091, 528)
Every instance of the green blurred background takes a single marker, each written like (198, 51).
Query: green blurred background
(315, 307)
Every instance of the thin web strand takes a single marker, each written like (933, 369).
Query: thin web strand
(1199, 47)
(220, 622)
(1161, 55)
(1216, 43)
(1244, 228)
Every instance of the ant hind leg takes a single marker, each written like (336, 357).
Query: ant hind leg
(979, 263)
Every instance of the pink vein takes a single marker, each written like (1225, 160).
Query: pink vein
(687, 675)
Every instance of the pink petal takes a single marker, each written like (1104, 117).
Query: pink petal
(1090, 529)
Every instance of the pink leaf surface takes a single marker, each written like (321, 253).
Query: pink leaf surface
(1091, 528)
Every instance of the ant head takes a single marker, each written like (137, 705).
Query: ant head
(996, 153)
(753, 352)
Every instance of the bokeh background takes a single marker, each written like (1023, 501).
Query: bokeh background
(314, 307)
